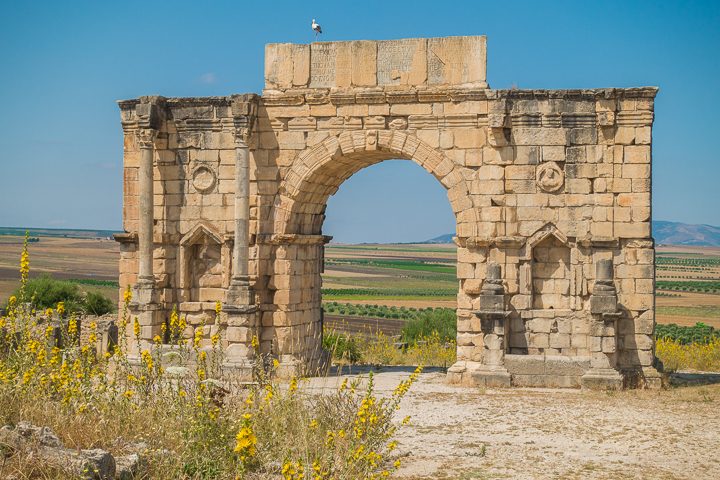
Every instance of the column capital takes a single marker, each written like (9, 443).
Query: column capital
(242, 136)
(145, 137)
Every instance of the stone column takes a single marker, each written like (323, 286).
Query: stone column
(603, 372)
(240, 292)
(145, 306)
(146, 215)
(240, 309)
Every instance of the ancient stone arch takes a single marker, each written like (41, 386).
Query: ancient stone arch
(317, 173)
(224, 197)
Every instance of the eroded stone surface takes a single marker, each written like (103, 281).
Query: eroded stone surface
(543, 183)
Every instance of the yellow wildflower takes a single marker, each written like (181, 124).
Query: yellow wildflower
(72, 324)
(245, 442)
(198, 336)
(127, 296)
(147, 359)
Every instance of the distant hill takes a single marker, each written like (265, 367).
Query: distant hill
(669, 233)
(448, 238)
(57, 232)
(675, 233)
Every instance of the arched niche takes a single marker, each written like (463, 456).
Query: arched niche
(203, 265)
(546, 272)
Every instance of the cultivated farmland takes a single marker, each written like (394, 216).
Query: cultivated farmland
(411, 276)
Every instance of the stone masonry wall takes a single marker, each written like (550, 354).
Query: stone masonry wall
(543, 183)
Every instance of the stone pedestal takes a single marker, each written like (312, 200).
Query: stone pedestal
(603, 374)
(493, 326)
(602, 379)
(242, 326)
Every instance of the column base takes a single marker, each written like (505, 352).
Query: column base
(239, 369)
(651, 378)
(145, 293)
(475, 374)
(150, 316)
(602, 379)
(239, 293)
(492, 376)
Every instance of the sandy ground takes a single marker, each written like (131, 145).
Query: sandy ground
(467, 433)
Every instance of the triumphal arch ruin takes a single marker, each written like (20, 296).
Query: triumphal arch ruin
(224, 201)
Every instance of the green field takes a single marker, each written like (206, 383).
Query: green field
(712, 286)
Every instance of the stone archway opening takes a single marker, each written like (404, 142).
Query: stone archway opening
(377, 276)
(299, 213)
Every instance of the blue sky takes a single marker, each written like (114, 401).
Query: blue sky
(65, 63)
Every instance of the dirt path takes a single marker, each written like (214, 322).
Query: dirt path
(469, 433)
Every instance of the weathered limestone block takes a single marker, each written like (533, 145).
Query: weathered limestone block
(515, 163)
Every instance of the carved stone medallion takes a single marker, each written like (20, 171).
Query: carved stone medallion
(398, 124)
(203, 179)
(550, 177)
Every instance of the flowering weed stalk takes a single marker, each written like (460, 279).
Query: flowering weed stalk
(172, 395)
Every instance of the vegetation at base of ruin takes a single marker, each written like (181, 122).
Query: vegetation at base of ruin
(441, 322)
(379, 311)
(426, 339)
(676, 356)
(46, 292)
(699, 333)
(343, 348)
(712, 286)
(187, 420)
(381, 349)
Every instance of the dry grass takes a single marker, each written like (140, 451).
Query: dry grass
(194, 421)
(700, 357)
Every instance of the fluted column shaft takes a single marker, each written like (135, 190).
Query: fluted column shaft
(146, 215)
(242, 215)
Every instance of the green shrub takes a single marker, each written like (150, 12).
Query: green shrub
(699, 333)
(343, 348)
(443, 321)
(98, 304)
(46, 292)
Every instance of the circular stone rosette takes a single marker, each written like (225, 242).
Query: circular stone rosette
(550, 177)
(203, 179)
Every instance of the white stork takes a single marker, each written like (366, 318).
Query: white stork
(316, 28)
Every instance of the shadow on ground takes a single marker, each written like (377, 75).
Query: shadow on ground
(685, 379)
